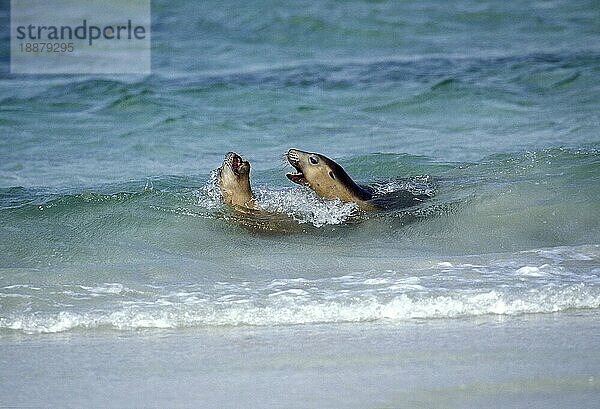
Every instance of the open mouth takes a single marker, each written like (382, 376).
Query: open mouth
(298, 176)
(234, 162)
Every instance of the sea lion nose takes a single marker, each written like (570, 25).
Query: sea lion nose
(293, 155)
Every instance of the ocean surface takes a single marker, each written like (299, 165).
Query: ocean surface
(111, 223)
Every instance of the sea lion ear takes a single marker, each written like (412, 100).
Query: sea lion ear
(331, 175)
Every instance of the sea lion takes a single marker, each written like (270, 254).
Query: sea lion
(233, 178)
(326, 178)
(234, 182)
(330, 180)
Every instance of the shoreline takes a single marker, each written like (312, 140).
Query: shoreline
(531, 360)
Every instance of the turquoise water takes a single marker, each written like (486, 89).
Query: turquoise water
(124, 282)
(111, 219)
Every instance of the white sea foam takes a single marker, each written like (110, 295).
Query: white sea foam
(531, 271)
(291, 291)
(501, 284)
(107, 288)
(305, 207)
(298, 306)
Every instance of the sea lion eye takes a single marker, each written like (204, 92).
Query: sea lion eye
(313, 159)
(331, 175)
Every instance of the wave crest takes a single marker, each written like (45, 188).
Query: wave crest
(297, 306)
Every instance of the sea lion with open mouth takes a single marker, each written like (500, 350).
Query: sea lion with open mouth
(234, 182)
(330, 180)
(233, 178)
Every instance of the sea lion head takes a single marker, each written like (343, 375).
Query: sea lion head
(324, 176)
(234, 181)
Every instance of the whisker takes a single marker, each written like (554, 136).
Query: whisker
(283, 162)
(283, 165)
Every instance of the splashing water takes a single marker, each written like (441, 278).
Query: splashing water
(305, 207)
(209, 195)
(301, 205)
